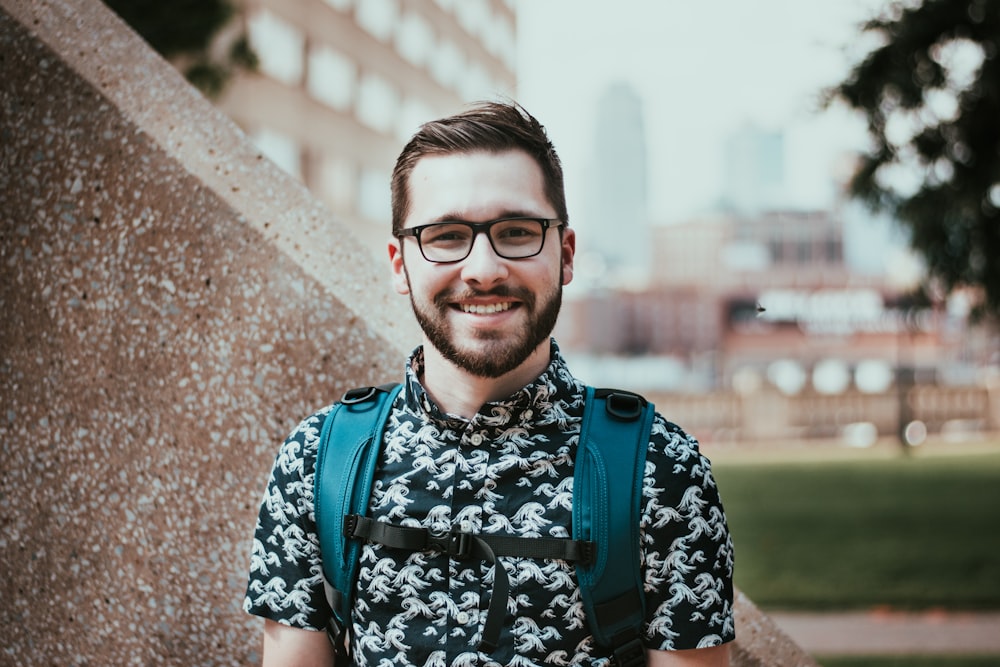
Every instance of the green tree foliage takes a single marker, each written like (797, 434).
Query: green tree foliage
(183, 31)
(931, 95)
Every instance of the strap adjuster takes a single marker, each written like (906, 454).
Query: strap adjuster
(456, 544)
(622, 405)
(350, 524)
(630, 654)
(358, 395)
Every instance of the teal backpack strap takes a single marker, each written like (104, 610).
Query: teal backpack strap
(607, 490)
(606, 502)
(342, 485)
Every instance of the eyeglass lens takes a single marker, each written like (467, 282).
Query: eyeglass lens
(511, 239)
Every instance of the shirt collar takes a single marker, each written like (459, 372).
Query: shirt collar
(544, 400)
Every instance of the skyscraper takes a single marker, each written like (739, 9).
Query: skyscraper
(618, 216)
(754, 171)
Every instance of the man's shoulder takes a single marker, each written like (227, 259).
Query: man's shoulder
(310, 425)
(309, 430)
(670, 440)
(303, 439)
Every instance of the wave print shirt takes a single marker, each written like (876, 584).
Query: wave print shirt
(508, 470)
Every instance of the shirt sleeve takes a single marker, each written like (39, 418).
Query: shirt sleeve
(286, 578)
(687, 548)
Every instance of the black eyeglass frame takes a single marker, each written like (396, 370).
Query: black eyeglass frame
(478, 228)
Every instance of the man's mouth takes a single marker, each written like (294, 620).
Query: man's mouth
(485, 308)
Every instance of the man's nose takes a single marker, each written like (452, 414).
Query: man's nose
(483, 265)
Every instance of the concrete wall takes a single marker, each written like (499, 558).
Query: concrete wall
(171, 305)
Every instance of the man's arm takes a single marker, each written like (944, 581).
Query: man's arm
(715, 656)
(285, 646)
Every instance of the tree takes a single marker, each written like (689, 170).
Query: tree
(185, 32)
(931, 97)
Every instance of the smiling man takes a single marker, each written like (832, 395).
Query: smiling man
(482, 440)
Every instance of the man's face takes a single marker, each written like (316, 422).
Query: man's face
(485, 314)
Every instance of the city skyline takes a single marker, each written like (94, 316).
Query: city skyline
(703, 73)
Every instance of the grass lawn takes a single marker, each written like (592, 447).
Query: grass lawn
(909, 532)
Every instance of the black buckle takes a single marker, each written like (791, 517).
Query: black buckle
(630, 654)
(358, 395)
(350, 523)
(624, 405)
(456, 544)
(589, 553)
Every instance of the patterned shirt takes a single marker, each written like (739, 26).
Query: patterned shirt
(508, 470)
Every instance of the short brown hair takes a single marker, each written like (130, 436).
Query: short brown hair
(493, 127)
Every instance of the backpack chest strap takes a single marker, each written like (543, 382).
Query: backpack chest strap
(463, 546)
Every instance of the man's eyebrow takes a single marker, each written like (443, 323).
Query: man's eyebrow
(459, 217)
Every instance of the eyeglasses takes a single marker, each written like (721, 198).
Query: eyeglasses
(451, 241)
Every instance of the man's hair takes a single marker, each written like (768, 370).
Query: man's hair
(492, 127)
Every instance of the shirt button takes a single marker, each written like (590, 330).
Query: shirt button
(476, 439)
(465, 526)
(462, 618)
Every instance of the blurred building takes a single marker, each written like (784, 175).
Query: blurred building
(618, 211)
(342, 84)
(755, 170)
(740, 301)
(761, 294)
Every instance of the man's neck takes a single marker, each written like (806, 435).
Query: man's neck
(458, 392)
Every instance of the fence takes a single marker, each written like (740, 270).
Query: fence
(770, 415)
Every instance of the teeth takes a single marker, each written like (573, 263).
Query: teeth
(488, 309)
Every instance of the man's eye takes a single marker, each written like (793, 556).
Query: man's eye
(518, 231)
(445, 235)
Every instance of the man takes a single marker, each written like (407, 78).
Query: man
(482, 439)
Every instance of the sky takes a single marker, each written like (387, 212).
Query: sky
(703, 69)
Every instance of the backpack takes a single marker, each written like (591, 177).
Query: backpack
(610, 459)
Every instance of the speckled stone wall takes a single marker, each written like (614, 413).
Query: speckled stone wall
(172, 304)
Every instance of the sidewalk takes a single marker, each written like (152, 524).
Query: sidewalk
(880, 632)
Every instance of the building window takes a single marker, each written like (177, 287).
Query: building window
(281, 150)
(279, 47)
(475, 83)
(373, 195)
(447, 63)
(474, 16)
(415, 39)
(776, 245)
(378, 17)
(502, 42)
(412, 114)
(834, 250)
(340, 5)
(331, 77)
(804, 251)
(378, 103)
(338, 184)
(494, 37)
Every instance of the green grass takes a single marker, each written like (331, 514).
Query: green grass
(910, 533)
(911, 661)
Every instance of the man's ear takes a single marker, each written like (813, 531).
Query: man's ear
(400, 281)
(568, 243)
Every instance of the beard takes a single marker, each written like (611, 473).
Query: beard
(494, 353)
